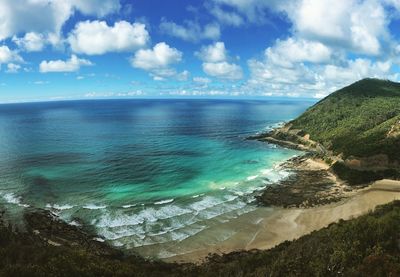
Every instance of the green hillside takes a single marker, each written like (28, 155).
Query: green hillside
(362, 119)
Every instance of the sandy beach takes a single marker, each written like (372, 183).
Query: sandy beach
(264, 228)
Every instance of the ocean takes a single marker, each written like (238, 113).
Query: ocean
(145, 175)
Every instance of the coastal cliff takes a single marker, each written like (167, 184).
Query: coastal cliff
(356, 130)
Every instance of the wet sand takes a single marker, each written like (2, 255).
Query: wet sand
(264, 228)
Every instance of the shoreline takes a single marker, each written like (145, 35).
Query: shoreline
(286, 224)
(293, 212)
(261, 229)
(304, 211)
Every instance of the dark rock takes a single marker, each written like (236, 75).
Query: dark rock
(302, 188)
(52, 230)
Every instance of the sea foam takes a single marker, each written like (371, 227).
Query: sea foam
(94, 207)
(168, 220)
(11, 198)
(250, 178)
(164, 202)
(60, 207)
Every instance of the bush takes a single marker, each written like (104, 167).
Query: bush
(358, 177)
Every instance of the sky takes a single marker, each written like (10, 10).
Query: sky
(85, 49)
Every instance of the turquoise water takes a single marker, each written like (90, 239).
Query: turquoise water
(140, 172)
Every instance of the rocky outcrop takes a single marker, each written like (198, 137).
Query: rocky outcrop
(50, 230)
(375, 162)
(305, 187)
(288, 137)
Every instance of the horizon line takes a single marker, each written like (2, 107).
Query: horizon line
(259, 98)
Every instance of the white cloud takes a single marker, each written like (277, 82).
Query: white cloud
(40, 82)
(115, 94)
(158, 61)
(369, 27)
(203, 91)
(31, 42)
(215, 62)
(357, 25)
(158, 78)
(160, 57)
(191, 31)
(71, 65)
(7, 55)
(96, 37)
(225, 17)
(183, 76)
(326, 19)
(13, 68)
(213, 53)
(355, 70)
(314, 61)
(166, 73)
(393, 3)
(315, 80)
(334, 77)
(201, 80)
(286, 52)
(46, 16)
(223, 70)
(266, 72)
(253, 10)
(38, 16)
(96, 7)
(353, 24)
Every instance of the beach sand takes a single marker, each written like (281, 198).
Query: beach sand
(265, 227)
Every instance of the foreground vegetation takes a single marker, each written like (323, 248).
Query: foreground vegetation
(362, 119)
(366, 246)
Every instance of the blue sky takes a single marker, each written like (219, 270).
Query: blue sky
(83, 49)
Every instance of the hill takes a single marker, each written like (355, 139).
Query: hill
(360, 120)
(355, 129)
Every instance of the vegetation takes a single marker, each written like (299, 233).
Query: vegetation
(360, 120)
(23, 255)
(358, 177)
(366, 246)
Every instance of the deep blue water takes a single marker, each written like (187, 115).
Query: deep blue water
(140, 171)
